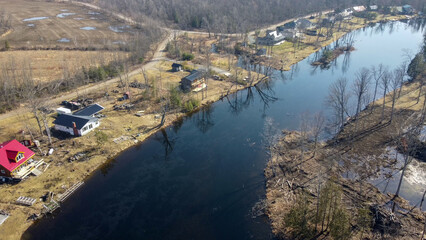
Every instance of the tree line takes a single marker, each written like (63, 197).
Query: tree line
(230, 16)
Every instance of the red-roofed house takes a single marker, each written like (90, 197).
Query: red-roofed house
(13, 156)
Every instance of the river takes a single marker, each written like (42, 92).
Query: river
(200, 178)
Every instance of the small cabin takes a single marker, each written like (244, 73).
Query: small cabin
(194, 81)
(374, 8)
(176, 67)
(13, 157)
(407, 9)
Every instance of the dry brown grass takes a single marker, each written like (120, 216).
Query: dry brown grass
(51, 64)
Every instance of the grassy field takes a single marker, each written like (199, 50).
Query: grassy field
(50, 65)
(30, 31)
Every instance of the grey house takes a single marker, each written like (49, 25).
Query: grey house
(304, 24)
(195, 80)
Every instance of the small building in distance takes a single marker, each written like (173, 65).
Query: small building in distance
(176, 67)
(90, 110)
(397, 10)
(374, 8)
(304, 24)
(13, 157)
(359, 8)
(347, 13)
(76, 125)
(194, 81)
(407, 9)
(272, 37)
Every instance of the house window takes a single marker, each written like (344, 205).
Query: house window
(19, 157)
(90, 126)
(3, 172)
(84, 129)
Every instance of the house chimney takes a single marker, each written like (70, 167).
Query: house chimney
(74, 128)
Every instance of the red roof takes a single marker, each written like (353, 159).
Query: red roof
(8, 152)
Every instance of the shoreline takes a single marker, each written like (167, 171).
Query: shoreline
(288, 177)
(99, 161)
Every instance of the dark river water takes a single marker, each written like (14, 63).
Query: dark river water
(200, 178)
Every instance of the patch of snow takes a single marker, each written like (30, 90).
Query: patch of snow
(88, 28)
(93, 18)
(93, 13)
(119, 29)
(63, 15)
(34, 19)
(64, 10)
(79, 18)
(119, 42)
(64, 40)
(31, 25)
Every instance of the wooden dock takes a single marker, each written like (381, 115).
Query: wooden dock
(26, 201)
(64, 196)
(50, 207)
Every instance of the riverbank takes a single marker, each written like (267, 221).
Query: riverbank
(352, 159)
(285, 55)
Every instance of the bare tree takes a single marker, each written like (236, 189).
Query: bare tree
(385, 81)
(360, 88)
(304, 133)
(338, 98)
(377, 73)
(394, 84)
(402, 70)
(317, 127)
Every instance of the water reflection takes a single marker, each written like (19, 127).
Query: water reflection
(204, 120)
(166, 142)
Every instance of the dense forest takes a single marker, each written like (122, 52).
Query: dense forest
(231, 15)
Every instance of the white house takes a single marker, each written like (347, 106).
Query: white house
(76, 125)
(272, 38)
(346, 13)
(359, 8)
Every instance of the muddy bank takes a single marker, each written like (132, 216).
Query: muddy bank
(289, 177)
